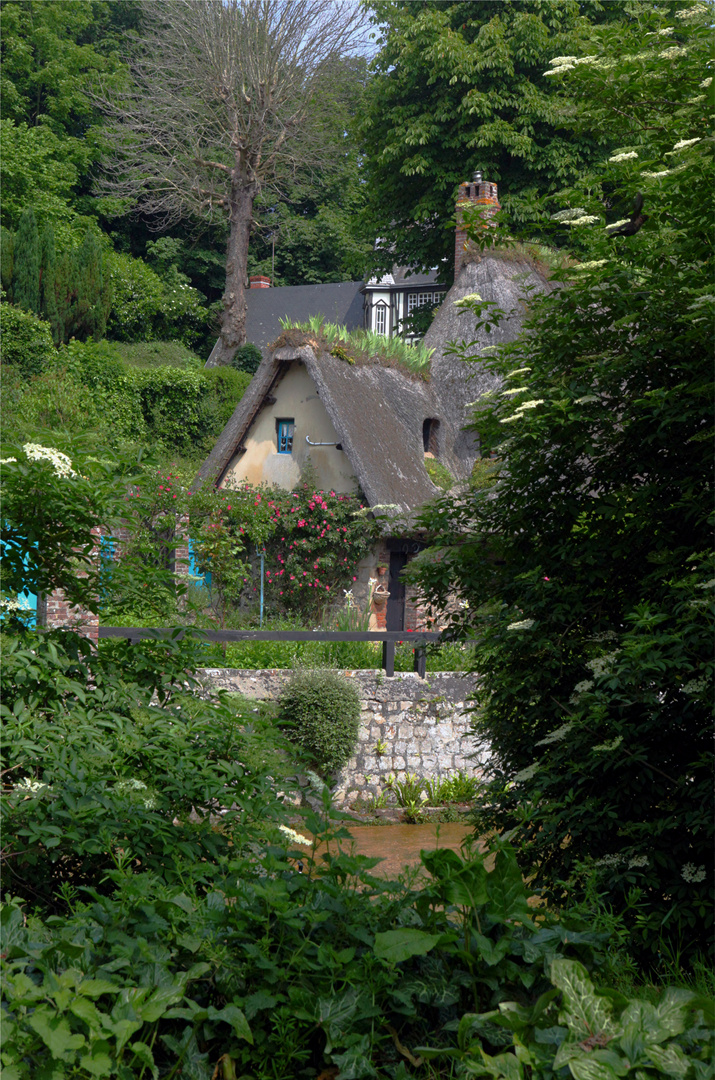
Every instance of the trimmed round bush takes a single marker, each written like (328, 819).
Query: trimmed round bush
(320, 710)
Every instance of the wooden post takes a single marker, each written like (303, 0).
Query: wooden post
(388, 658)
(420, 665)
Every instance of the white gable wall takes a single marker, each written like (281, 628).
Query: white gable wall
(296, 398)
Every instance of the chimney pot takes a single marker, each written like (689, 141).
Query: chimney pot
(481, 193)
(259, 281)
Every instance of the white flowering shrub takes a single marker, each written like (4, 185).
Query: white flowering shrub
(144, 307)
(587, 568)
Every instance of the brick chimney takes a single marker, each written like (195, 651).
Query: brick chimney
(477, 192)
(260, 281)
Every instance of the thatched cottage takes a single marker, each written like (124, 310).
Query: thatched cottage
(370, 427)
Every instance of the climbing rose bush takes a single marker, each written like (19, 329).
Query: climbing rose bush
(316, 547)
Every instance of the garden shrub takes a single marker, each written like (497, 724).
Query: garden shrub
(144, 307)
(247, 358)
(26, 340)
(321, 713)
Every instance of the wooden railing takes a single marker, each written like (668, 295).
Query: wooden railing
(418, 639)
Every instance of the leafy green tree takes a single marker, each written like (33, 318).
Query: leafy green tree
(585, 563)
(50, 54)
(457, 87)
(26, 264)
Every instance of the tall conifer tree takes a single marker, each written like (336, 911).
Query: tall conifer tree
(26, 269)
(48, 274)
(7, 248)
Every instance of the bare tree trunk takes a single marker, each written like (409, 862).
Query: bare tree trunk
(233, 316)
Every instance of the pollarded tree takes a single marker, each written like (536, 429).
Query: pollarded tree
(222, 103)
(587, 567)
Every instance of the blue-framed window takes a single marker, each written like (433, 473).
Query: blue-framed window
(284, 430)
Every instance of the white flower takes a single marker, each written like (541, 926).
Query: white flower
(530, 404)
(295, 837)
(583, 686)
(60, 462)
(511, 419)
(568, 215)
(526, 774)
(617, 224)
(625, 156)
(706, 584)
(585, 400)
(6, 604)
(656, 175)
(705, 83)
(612, 745)
(593, 265)
(469, 299)
(692, 873)
(558, 70)
(684, 143)
(602, 663)
(29, 786)
(672, 52)
(694, 686)
(516, 390)
(610, 860)
(665, 32)
(556, 736)
(684, 13)
(7, 460)
(638, 860)
(524, 624)
(559, 60)
(518, 371)
(587, 219)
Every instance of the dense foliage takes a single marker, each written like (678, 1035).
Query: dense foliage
(457, 87)
(163, 915)
(320, 710)
(585, 560)
(152, 395)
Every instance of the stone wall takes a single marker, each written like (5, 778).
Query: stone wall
(407, 725)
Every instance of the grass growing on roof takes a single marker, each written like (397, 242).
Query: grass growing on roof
(362, 345)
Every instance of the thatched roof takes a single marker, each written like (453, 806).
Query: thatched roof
(504, 278)
(377, 413)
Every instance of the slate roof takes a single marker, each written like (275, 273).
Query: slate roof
(377, 413)
(339, 303)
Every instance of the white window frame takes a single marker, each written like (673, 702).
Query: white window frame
(380, 320)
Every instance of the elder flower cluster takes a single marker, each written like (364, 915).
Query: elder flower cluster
(60, 463)
(295, 837)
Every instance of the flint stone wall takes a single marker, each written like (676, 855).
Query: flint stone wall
(423, 724)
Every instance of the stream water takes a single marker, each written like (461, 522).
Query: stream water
(400, 845)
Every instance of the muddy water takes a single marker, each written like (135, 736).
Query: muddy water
(400, 845)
